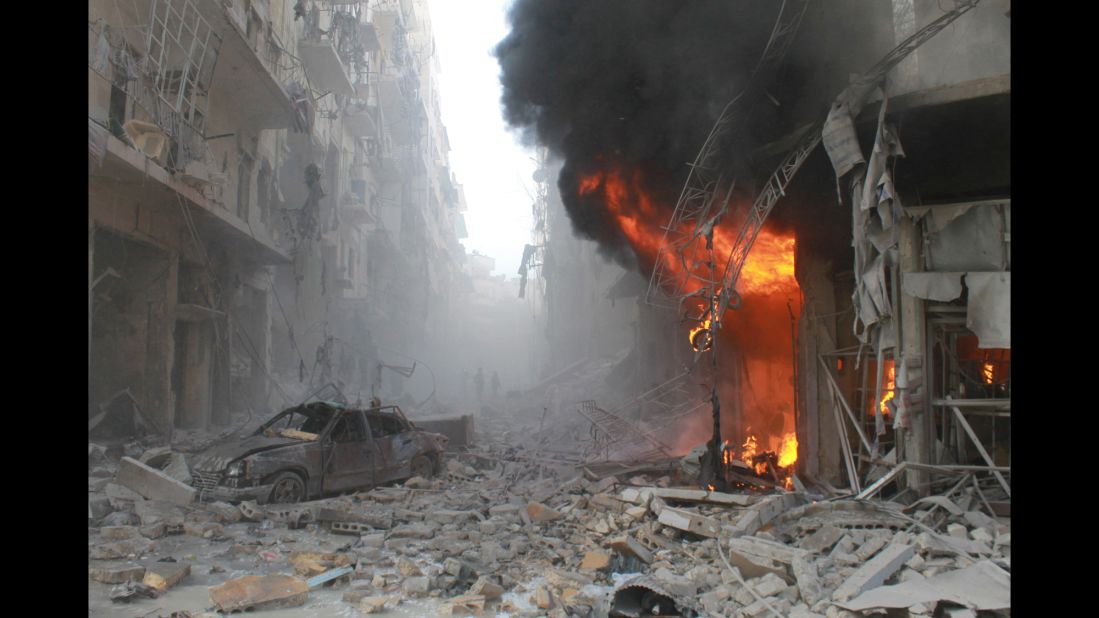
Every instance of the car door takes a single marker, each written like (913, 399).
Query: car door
(395, 444)
(350, 454)
(382, 430)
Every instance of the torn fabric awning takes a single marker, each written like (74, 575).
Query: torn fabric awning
(988, 313)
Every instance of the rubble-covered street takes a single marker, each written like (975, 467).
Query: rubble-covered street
(510, 529)
(550, 308)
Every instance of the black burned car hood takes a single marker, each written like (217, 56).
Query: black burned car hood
(219, 456)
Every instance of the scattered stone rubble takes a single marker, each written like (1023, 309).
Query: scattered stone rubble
(501, 533)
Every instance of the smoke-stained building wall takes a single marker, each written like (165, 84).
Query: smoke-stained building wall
(629, 118)
(258, 202)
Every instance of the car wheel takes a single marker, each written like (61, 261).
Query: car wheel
(422, 466)
(288, 488)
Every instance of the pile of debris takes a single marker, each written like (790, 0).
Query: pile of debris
(504, 533)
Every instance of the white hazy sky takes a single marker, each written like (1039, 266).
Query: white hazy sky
(487, 158)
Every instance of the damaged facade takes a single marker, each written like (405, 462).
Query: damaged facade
(773, 380)
(271, 207)
(907, 361)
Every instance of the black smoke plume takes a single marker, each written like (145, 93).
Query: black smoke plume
(630, 83)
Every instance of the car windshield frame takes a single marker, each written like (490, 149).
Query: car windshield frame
(335, 410)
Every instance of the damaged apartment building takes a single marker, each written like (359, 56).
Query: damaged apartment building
(271, 206)
(828, 281)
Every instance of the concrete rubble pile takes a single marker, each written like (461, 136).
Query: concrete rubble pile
(502, 533)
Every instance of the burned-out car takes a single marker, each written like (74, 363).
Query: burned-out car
(316, 449)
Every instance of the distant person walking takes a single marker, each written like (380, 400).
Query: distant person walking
(495, 385)
(479, 383)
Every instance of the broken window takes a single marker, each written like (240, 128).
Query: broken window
(310, 419)
(382, 425)
(182, 49)
(349, 428)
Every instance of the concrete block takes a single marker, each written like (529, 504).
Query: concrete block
(99, 506)
(416, 586)
(451, 517)
(981, 536)
(154, 531)
(117, 533)
(164, 575)
(153, 484)
(376, 539)
(121, 498)
(805, 572)
(759, 608)
(116, 575)
(407, 567)
(874, 573)
(606, 502)
(823, 539)
(870, 547)
(413, 531)
(226, 512)
(596, 561)
(121, 518)
(507, 511)
(768, 585)
(542, 598)
(375, 604)
(151, 512)
(129, 548)
(258, 592)
(689, 522)
(486, 588)
(629, 546)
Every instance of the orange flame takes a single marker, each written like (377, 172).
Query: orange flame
(701, 341)
(890, 386)
(769, 267)
(988, 372)
(788, 454)
(768, 270)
